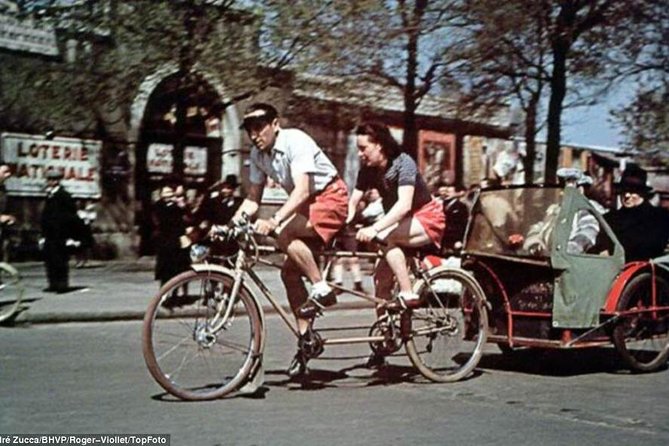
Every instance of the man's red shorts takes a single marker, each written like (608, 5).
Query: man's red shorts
(327, 210)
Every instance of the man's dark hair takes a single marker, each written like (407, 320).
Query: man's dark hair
(380, 134)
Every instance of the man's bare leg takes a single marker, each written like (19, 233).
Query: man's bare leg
(291, 276)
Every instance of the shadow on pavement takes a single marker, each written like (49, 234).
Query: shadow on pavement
(318, 378)
(553, 362)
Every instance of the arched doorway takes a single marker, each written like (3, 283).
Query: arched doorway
(180, 138)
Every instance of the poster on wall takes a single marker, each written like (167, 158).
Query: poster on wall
(159, 158)
(32, 156)
(436, 157)
(195, 161)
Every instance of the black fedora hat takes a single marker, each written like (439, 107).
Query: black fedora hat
(633, 179)
(231, 180)
(54, 174)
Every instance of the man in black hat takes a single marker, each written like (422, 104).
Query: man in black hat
(217, 207)
(641, 228)
(59, 220)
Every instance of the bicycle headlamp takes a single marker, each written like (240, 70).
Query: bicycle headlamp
(198, 253)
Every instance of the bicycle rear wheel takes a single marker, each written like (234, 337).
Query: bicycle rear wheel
(449, 327)
(199, 341)
(11, 291)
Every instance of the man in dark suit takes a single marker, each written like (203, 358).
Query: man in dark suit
(457, 215)
(217, 207)
(59, 220)
(641, 228)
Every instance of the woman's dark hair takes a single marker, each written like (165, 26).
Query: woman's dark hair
(380, 134)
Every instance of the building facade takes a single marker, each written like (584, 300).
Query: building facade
(112, 107)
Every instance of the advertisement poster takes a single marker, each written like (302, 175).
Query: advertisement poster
(195, 161)
(436, 157)
(32, 156)
(159, 158)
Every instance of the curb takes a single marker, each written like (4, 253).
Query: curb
(24, 318)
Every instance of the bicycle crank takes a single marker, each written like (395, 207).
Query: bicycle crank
(310, 344)
(389, 328)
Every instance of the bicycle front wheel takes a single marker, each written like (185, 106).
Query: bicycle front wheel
(449, 327)
(199, 340)
(11, 291)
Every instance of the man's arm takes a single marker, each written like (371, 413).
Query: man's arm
(251, 203)
(394, 215)
(353, 202)
(298, 196)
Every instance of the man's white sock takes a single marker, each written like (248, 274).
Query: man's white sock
(321, 288)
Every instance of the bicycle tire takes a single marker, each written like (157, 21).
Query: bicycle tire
(449, 327)
(11, 292)
(642, 339)
(183, 354)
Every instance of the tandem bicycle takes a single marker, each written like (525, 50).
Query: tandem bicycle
(204, 333)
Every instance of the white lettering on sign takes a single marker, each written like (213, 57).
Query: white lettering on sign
(32, 156)
(159, 158)
(27, 35)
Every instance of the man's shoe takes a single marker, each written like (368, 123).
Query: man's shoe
(375, 361)
(316, 304)
(297, 367)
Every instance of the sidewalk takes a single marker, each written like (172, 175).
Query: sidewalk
(119, 290)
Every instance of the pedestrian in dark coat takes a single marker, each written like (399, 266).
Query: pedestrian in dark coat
(169, 218)
(59, 219)
(641, 228)
(217, 207)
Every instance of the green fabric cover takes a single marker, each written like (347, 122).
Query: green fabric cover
(582, 281)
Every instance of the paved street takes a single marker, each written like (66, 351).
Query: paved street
(90, 377)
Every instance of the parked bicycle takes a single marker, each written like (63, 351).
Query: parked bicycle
(204, 332)
(11, 292)
(11, 287)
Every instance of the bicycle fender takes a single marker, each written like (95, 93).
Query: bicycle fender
(204, 267)
(456, 272)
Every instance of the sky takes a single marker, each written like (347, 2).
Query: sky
(592, 125)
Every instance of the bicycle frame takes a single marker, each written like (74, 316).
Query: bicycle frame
(243, 269)
(180, 353)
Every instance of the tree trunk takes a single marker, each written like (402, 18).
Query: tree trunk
(530, 142)
(558, 90)
(410, 136)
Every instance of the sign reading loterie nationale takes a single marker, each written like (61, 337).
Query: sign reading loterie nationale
(32, 156)
(27, 35)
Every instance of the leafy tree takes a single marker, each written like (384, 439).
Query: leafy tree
(507, 56)
(582, 35)
(402, 45)
(564, 46)
(110, 46)
(644, 60)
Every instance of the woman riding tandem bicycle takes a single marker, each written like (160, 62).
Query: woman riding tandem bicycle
(413, 218)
